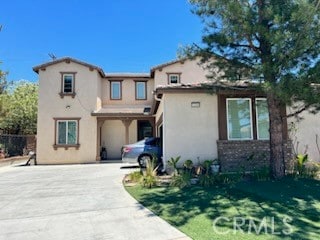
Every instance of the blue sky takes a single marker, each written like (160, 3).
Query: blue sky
(117, 35)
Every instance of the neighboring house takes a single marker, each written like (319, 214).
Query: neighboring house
(83, 109)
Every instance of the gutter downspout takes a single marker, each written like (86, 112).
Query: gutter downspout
(156, 98)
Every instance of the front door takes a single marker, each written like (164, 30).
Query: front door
(144, 129)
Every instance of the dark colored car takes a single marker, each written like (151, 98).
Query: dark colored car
(143, 150)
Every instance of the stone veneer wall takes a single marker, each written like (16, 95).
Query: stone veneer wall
(247, 155)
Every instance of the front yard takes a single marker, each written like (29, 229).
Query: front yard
(286, 209)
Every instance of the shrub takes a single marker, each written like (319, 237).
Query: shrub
(227, 178)
(149, 181)
(149, 178)
(206, 177)
(262, 174)
(181, 180)
(173, 163)
(135, 176)
(301, 160)
(206, 180)
(188, 165)
(207, 165)
(311, 170)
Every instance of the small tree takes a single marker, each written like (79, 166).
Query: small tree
(277, 41)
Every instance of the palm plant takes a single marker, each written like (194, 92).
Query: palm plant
(301, 160)
(149, 178)
(188, 165)
(173, 163)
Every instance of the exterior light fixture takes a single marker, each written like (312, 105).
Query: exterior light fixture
(195, 104)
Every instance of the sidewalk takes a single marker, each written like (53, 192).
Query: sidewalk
(13, 161)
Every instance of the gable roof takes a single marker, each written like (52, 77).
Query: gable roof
(68, 59)
(153, 69)
(168, 63)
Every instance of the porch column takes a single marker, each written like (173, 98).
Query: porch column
(99, 125)
(127, 123)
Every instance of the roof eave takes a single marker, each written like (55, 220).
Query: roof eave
(68, 60)
(132, 115)
(153, 69)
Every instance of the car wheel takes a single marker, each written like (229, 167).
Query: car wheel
(143, 160)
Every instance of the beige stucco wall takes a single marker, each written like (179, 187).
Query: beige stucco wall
(113, 136)
(51, 105)
(306, 134)
(128, 92)
(190, 132)
(99, 93)
(191, 72)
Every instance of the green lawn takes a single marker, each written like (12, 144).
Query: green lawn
(193, 210)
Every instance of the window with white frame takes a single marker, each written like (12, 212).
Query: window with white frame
(173, 78)
(141, 90)
(239, 118)
(262, 115)
(115, 90)
(67, 132)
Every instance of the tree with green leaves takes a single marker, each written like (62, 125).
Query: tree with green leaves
(276, 41)
(3, 81)
(3, 86)
(19, 109)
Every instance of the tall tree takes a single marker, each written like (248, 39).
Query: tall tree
(19, 109)
(278, 41)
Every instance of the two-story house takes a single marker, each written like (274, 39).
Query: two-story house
(83, 109)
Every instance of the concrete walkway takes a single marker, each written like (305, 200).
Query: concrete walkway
(74, 202)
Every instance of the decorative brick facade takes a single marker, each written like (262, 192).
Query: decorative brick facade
(248, 155)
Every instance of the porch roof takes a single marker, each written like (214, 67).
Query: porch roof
(205, 86)
(127, 110)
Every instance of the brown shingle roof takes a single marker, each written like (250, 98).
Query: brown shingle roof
(223, 84)
(126, 74)
(68, 59)
(115, 110)
(167, 64)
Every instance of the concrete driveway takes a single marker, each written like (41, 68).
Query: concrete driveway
(74, 202)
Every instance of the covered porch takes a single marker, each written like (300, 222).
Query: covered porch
(117, 127)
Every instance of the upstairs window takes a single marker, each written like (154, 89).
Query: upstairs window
(67, 84)
(115, 90)
(141, 90)
(174, 78)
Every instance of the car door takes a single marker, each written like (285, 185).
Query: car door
(152, 146)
